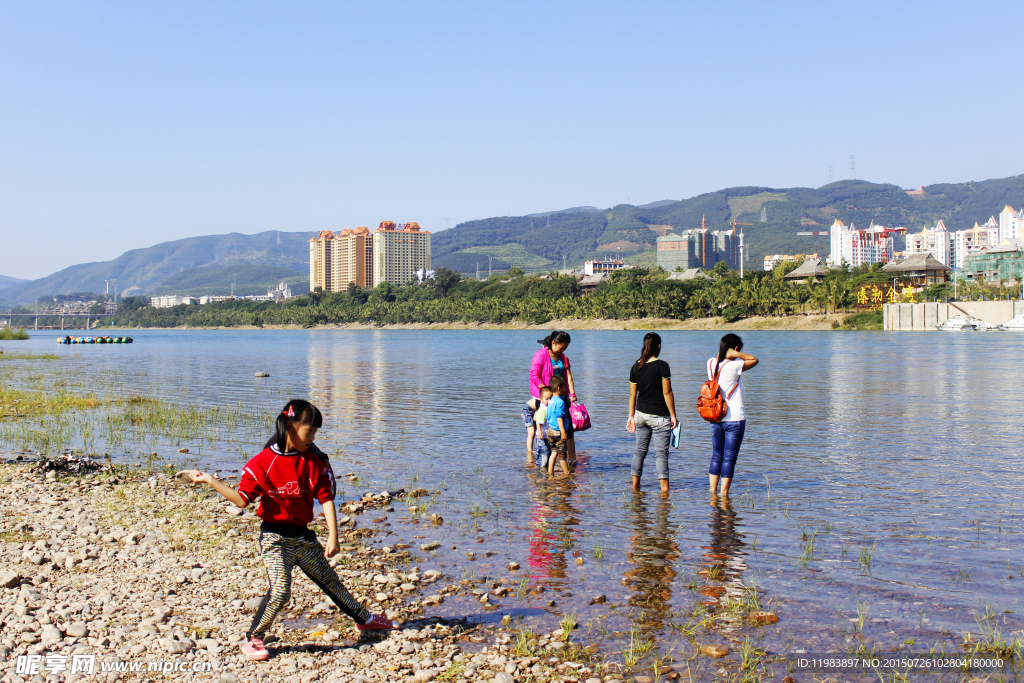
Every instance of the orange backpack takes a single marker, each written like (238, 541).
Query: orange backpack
(711, 404)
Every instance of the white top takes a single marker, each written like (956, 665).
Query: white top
(727, 379)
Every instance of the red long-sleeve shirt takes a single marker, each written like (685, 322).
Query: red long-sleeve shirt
(286, 483)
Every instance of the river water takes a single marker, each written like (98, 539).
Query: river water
(879, 476)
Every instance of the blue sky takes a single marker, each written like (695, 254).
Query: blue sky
(127, 124)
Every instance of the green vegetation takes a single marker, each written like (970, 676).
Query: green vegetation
(632, 293)
(247, 279)
(868, 320)
(579, 235)
(8, 334)
(502, 258)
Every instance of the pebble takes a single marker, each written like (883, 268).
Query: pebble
(137, 582)
(715, 650)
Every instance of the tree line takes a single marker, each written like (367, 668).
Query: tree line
(515, 296)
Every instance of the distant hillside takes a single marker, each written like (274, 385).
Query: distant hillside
(628, 231)
(9, 281)
(247, 279)
(141, 271)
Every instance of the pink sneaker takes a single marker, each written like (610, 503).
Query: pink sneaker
(255, 650)
(378, 622)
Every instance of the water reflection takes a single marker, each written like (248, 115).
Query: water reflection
(652, 555)
(723, 564)
(554, 529)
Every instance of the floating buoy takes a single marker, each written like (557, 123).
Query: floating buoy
(263, 374)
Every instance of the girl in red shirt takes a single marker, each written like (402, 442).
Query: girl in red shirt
(286, 476)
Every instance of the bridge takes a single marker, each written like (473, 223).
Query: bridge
(88, 318)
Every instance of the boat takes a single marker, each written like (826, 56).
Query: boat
(983, 326)
(1014, 324)
(959, 323)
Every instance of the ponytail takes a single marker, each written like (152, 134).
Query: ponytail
(650, 349)
(555, 338)
(296, 411)
(729, 341)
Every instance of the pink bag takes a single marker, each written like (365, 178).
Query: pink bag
(580, 417)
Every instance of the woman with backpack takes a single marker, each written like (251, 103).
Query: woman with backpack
(652, 410)
(727, 433)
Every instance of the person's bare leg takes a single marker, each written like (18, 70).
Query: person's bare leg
(570, 451)
(636, 483)
(713, 483)
(664, 485)
(565, 466)
(725, 486)
(530, 431)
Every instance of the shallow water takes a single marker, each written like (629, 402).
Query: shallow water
(879, 471)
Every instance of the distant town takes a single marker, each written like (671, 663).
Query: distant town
(400, 253)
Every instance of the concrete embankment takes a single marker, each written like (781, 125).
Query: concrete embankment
(925, 316)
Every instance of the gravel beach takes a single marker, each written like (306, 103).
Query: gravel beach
(142, 571)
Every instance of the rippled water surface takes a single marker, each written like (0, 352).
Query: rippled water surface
(879, 472)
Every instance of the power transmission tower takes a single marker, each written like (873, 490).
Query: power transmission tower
(853, 174)
(478, 271)
(279, 237)
(489, 271)
(764, 213)
(830, 173)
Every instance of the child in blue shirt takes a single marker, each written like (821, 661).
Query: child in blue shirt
(559, 425)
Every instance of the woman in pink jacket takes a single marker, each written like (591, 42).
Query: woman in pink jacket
(551, 361)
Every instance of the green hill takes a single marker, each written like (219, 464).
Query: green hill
(141, 271)
(247, 279)
(629, 231)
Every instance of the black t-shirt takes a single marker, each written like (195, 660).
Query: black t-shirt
(650, 397)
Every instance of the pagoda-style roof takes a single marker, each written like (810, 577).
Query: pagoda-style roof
(915, 263)
(809, 268)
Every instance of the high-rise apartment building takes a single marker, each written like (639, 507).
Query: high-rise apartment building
(698, 248)
(858, 247)
(352, 259)
(937, 242)
(398, 252)
(391, 252)
(1011, 223)
(320, 257)
(967, 242)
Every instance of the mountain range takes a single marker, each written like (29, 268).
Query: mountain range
(143, 271)
(774, 217)
(543, 241)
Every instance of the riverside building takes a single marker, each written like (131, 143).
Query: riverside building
(398, 252)
(391, 253)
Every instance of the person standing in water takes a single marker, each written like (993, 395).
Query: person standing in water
(549, 362)
(652, 409)
(727, 435)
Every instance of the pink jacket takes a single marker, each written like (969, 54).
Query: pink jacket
(541, 371)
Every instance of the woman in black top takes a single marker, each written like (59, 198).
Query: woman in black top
(652, 409)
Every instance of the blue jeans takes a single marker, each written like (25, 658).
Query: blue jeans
(648, 428)
(543, 447)
(726, 438)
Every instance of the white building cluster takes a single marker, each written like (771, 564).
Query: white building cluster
(952, 248)
(279, 293)
(858, 247)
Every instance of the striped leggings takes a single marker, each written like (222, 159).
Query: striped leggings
(280, 555)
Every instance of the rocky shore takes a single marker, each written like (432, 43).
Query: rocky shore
(141, 571)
